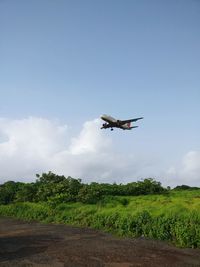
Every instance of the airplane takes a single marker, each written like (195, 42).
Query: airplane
(122, 124)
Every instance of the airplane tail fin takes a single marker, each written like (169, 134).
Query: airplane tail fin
(133, 127)
(129, 126)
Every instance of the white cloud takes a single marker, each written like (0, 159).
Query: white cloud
(27, 146)
(35, 145)
(89, 140)
(187, 171)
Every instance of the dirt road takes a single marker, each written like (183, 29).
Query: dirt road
(33, 244)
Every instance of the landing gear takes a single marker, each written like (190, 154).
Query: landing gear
(111, 129)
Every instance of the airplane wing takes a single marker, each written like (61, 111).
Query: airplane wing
(131, 120)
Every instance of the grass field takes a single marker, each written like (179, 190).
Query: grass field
(174, 217)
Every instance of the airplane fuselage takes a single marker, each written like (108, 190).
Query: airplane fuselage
(112, 122)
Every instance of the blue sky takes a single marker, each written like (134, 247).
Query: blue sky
(71, 61)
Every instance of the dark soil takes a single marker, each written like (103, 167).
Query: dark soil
(35, 244)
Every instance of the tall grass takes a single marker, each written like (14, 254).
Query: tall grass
(174, 217)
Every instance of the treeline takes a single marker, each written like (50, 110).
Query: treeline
(57, 189)
(185, 187)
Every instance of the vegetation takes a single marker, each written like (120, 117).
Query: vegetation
(142, 208)
(56, 189)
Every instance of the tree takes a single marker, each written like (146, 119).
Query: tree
(89, 194)
(26, 192)
(8, 191)
(51, 186)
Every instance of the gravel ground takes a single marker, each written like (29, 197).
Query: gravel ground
(28, 244)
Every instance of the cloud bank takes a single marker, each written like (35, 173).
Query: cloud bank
(35, 145)
(187, 171)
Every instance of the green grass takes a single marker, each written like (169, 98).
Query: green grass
(174, 217)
